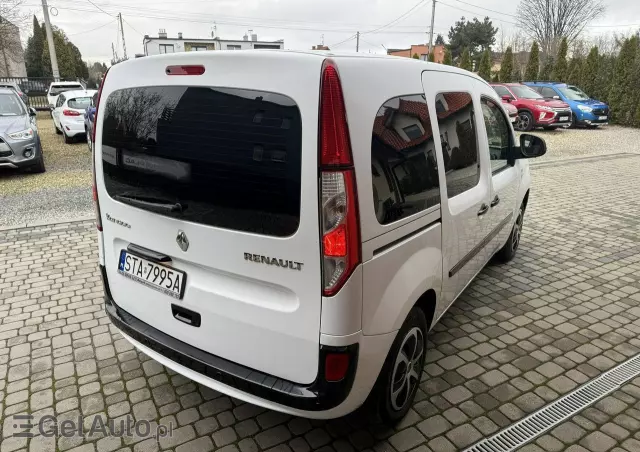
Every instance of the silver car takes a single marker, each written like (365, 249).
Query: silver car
(20, 145)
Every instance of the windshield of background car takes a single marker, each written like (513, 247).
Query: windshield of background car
(79, 102)
(10, 105)
(524, 92)
(573, 93)
(57, 89)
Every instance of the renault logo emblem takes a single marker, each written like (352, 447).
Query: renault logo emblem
(183, 241)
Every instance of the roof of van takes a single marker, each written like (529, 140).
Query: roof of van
(269, 53)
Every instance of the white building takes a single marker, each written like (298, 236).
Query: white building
(163, 44)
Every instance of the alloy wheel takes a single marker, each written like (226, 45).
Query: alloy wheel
(406, 369)
(522, 123)
(517, 231)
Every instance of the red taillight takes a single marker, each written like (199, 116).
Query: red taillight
(338, 200)
(67, 112)
(185, 70)
(96, 202)
(336, 366)
(335, 148)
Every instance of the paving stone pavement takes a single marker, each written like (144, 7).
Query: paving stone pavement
(522, 335)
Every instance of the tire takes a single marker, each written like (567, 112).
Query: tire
(67, 138)
(508, 251)
(574, 124)
(524, 122)
(58, 131)
(38, 166)
(395, 389)
(89, 144)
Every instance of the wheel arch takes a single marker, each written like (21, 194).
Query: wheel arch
(427, 304)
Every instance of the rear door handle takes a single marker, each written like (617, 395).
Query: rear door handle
(484, 209)
(495, 201)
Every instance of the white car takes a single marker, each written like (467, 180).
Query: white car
(55, 88)
(286, 227)
(68, 113)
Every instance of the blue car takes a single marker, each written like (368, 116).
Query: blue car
(89, 116)
(586, 111)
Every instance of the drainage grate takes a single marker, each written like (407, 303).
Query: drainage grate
(534, 425)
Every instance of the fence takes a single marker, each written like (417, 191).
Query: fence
(35, 88)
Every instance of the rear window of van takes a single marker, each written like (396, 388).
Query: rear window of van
(222, 157)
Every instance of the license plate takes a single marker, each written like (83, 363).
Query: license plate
(564, 118)
(602, 118)
(513, 118)
(156, 276)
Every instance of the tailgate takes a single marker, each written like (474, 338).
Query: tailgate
(216, 174)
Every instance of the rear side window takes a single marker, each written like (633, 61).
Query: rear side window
(404, 168)
(216, 156)
(79, 102)
(457, 129)
(502, 91)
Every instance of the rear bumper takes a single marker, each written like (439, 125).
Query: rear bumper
(237, 380)
(72, 128)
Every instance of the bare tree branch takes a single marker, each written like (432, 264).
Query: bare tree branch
(548, 21)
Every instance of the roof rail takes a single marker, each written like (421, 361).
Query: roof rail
(541, 81)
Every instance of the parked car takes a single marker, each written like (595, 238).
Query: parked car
(60, 87)
(298, 265)
(89, 115)
(68, 113)
(586, 111)
(20, 145)
(15, 87)
(533, 109)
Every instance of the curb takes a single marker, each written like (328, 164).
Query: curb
(48, 223)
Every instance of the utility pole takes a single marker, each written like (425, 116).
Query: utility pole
(433, 16)
(113, 50)
(124, 45)
(357, 41)
(52, 47)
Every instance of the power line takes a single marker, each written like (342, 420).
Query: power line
(100, 8)
(350, 38)
(474, 12)
(399, 18)
(93, 29)
(131, 26)
(486, 9)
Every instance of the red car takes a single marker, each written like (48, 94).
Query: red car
(533, 109)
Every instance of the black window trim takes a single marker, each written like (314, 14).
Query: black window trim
(477, 140)
(510, 160)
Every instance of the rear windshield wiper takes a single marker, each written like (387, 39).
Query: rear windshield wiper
(152, 203)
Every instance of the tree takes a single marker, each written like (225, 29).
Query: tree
(416, 56)
(474, 35)
(606, 67)
(12, 19)
(547, 21)
(574, 72)
(70, 62)
(547, 70)
(560, 68)
(33, 53)
(439, 40)
(432, 56)
(533, 66)
(447, 57)
(506, 67)
(484, 70)
(622, 98)
(465, 60)
(589, 77)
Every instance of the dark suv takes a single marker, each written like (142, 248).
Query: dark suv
(533, 109)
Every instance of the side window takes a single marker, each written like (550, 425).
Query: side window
(60, 101)
(459, 141)
(548, 92)
(502, 91)
(497, 133)
(403, 159)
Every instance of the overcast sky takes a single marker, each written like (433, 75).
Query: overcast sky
(301, 23)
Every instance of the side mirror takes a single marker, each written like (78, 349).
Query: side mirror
(32, 111)
(531, 146)
(506, 98)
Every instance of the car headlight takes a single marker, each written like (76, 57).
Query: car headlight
(22, 135)
(585, 108)
(544, 107)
